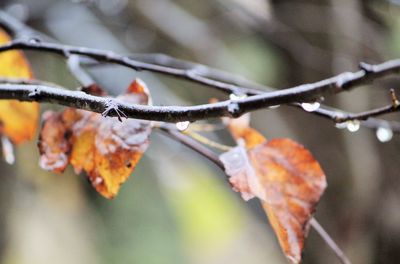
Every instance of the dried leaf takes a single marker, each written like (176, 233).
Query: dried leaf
(294, 182)
(18, 119)
(106, 149)
(285, 177)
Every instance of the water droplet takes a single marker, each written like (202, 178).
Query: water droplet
(182, 126)
(273, 106)
(8, 150)
(97, 181)
(235, 97)
(310, 107)
(110, 55)
(353, 125)
(34, 40)
(342, 125)
(384, 134)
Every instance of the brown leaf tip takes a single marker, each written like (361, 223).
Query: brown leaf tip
(94, 89)
(138, 86)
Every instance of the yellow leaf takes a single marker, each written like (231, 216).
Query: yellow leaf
(18, 119)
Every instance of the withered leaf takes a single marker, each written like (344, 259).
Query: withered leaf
(285, 177)
(18, 120)
(106, 149)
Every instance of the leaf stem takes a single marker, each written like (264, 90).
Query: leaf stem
(206, 141)
(329, 241)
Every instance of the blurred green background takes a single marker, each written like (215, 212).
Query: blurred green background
(177, 207)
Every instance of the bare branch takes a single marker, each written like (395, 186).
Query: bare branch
(214, 78)
(259, 99)
(367, 114)
(81, 100)
(306, 92)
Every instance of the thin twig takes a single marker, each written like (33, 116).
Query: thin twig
(393, 107)
(194, 145)
(366, 114)
(74, 66)
(329, 241)
(206, 141)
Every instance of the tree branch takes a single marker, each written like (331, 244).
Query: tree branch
(257, 100)
(81, 100)
(333, 114)
(223, 81)
(336, 115)
(344, 81)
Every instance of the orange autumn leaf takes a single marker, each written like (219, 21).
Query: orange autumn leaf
(285, 177)
(294, 183)
(18, 119)
(106, 149)
(241, 130)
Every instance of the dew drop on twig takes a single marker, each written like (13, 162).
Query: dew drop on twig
(34, 40)
(353, 125)
(310, 107)
(182, 126)
(384, 134)
(342, 125)
(236, 97)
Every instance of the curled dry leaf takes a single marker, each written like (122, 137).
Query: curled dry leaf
(106, 149)
(285, 177)
(18, 119)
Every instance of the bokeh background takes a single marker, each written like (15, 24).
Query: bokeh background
(177, 207)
